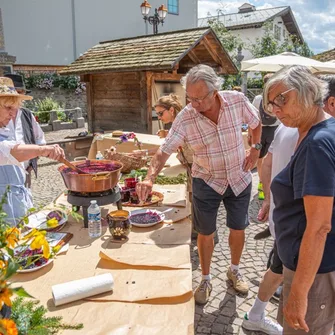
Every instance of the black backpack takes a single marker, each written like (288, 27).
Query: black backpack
(266, 119)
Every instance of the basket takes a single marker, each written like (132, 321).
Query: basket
(129, 162)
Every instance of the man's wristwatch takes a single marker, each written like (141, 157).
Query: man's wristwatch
(257, 146)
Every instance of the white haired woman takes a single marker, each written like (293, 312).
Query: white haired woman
(303, 194)
(12, 172)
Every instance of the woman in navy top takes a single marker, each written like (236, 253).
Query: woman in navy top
(304, 202)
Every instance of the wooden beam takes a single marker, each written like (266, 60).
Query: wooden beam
(148, 116)
(193, 57)
(210, 50)
(167, 76)
(85, 78)
(89, 96)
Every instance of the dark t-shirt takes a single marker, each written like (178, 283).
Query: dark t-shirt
(311, 171)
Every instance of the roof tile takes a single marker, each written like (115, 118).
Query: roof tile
(145, 52)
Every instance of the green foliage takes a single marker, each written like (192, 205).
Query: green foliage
(47, 104)
(255, 83)
(62, 116)
(48, 80)
(42, 108)
(30, 318)
(70, 82)
(230, 81)
(231, 43)
(228, 40)
(161, 179)
(268, 45)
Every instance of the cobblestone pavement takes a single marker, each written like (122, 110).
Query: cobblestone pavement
(224, 312)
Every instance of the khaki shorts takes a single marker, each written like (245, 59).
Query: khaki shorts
(320, 316)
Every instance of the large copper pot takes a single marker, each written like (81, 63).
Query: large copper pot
(91, 182)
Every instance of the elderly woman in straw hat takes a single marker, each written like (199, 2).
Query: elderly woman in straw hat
(12, 173)
(303, 194)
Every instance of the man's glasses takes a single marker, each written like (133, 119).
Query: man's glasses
(196, 99)
(160, 113)
(278, 101)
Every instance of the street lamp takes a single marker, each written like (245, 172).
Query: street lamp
(155, 19)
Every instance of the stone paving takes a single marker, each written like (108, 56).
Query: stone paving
(224, 312)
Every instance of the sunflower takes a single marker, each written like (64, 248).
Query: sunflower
(8, 327)
(12, 236)
(5, 295)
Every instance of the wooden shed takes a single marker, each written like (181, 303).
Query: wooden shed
(120, 75)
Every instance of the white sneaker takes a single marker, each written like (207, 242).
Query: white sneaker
(264, 325)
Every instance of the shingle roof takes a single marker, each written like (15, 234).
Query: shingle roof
(153, 52)
(256, 18)
(326, 56)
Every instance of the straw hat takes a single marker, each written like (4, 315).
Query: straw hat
(7, 89)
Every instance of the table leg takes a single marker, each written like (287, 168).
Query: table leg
(85, 215)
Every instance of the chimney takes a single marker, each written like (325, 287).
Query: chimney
(246, 8)
(6, 61)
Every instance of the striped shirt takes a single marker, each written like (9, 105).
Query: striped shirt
(218, 149)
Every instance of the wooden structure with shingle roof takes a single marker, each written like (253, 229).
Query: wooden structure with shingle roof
(326, 56)
(119, 74)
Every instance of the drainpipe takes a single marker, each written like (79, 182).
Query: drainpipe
(74, 34)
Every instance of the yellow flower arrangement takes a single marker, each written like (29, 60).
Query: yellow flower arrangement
(21, 249)
(38, 241)
(5, 295)
(8, 327)
(12, 236)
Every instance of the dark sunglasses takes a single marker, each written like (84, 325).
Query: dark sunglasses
(160, 113)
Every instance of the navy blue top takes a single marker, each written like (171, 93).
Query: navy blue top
(311, 171)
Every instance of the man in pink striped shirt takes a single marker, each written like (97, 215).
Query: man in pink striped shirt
(211, 126)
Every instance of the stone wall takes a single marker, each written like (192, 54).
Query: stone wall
(67, 98)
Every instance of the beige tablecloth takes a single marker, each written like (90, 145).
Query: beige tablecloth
(152, 279)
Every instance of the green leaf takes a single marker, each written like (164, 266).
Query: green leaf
(10, 252)
(21, 292)
(11, 269)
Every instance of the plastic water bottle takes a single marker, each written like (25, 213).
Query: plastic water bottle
(99, 155)
(94, 220)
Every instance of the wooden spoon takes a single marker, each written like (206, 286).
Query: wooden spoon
(72, 166)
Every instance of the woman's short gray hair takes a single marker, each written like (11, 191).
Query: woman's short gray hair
(311, 90)
(205, 73)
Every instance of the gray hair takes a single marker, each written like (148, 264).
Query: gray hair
(330, 80)
(312, 91)
(205, 73)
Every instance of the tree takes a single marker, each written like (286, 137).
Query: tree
(231, 43)
(268, 45)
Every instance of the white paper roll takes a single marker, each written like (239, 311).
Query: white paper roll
(82, 288)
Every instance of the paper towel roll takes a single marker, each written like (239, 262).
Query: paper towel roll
(82, 288)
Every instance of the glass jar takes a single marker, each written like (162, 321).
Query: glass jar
(119, 225)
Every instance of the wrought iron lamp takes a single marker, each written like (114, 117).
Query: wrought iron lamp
(155, 19)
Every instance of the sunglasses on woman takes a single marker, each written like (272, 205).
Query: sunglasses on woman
(160, 113)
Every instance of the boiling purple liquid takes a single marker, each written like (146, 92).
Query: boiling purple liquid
(93, 167)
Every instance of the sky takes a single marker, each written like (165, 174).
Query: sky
(315, 18)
